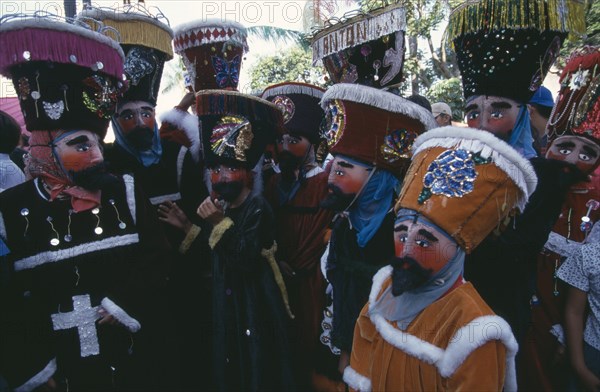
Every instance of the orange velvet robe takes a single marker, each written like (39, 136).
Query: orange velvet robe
(456, 343)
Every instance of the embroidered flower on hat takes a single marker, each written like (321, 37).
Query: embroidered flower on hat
(287, 107)
(397, 144)
(139, 63)
(333, 126)
(451, 174)
(23, 88)
(53, 109)
(103, 98)
(232, 137)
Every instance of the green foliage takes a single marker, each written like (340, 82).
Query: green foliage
(592, 22)
(292, 65)
(450, 92)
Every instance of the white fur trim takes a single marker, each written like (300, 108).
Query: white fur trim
(180, 160)
(324, 258)
(365, 27)
(53, 256)
(293, 88)
(356, 381)
(465, 340)
(39, 379)
(48, 24)
(207, 26)
(489, 146)
(130, 191)
(559, 333)
(561, 245)
(190, 126)
(161, 199)
(378, 281)
(117, 312)
(380, 99)
(313, 172)
(101, 14)
(2, 227)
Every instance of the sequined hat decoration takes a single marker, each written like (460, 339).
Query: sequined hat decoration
(577, 109)
(373, 126)
(366, 49)
(146, 41)
(67, 76)
(236, 127)
(212, 51)
(299, 103)
(505, 48)
(466, 182)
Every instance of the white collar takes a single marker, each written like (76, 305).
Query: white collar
(4, 157)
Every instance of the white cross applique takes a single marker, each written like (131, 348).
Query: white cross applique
(83, 317)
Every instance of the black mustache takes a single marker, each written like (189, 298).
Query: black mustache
(337, 200)
(93, 178)
(407, 275)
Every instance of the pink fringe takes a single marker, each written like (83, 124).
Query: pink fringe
(58, 46)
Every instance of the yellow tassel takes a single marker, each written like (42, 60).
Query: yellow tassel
(269, 254)
(217, 232)
(518, 14)
(189, 239)
(137, 32)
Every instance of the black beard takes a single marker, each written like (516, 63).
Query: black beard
(94, 178)
(338, 200)
(407, 275)
(228, 191)
(288, 164)
(141, 138)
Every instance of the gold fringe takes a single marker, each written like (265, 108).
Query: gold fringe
(137, 32)
(189, 239)
(269, 254)
(217, 232)
(518, 14)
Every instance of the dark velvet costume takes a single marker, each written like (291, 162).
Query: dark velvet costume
(301, 242)
(502, 268)
(350, 271)
(125, 263)
(177, 178)
(250, 321)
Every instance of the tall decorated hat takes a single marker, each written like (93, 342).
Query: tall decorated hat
(366, 49)
(299, 103)
(212, 51)
(146, 42)
(466, 182)
(506, 47)
(373, 126)
(66, 76)
(577, 110)
(236, 127)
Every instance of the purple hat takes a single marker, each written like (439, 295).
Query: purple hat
(66, 76)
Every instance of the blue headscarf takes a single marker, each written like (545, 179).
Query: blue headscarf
(521, 138)
(146, 158)
(375, 200)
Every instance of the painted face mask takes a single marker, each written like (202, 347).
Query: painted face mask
(576, 150)
(346, 180)
(497, 115)
(137, 122)
(227, 182)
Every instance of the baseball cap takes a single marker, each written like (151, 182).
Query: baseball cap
(542, 97)
(441, 108)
